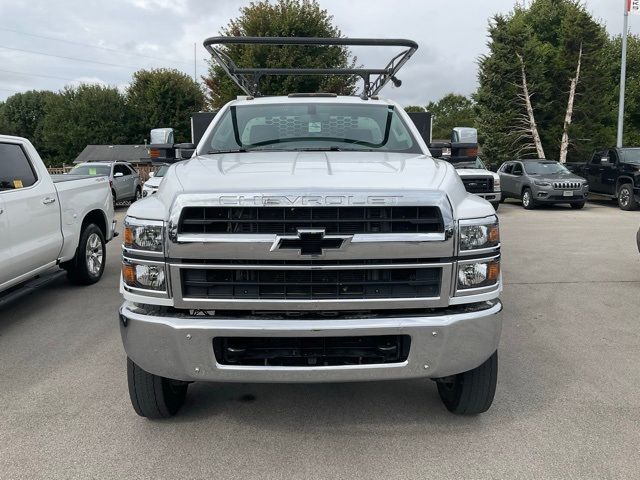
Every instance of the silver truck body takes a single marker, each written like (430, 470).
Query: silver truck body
(171, 334)
(40, 224)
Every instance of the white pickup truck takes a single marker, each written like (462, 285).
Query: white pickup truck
(48, 221)
(310, 238)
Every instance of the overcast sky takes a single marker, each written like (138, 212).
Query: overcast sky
(136, 34)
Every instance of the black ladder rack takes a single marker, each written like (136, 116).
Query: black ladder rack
(248, 79)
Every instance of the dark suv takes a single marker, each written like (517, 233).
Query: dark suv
(542, 181)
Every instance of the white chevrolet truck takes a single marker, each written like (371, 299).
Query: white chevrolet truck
(311, 238)
(49, 221)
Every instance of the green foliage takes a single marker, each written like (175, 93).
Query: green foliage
(451, 111)
(23, 114)
(548, 35)
(284, 18)
(163, 98)
(85, 115)
(631, 135)
(414, 108)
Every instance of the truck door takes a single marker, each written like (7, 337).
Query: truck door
(610, 172)
(594, 170)
(5, 244)
(31, 211)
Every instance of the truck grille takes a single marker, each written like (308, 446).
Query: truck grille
(567, 185)
(335, 220)
(311, 351)
(478, 184)
(323, 284)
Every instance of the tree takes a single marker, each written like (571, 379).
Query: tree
(23, 115)
(85, 115)
(163, 98)
(549, 36)
(285, 18)
(631, 135)
(414, 108)
(451, 111)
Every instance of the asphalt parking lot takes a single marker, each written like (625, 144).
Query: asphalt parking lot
(567, 405)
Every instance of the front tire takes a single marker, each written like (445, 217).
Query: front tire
(87, 266)
(577, 206)
(152, 396)
(471, 392)
(138, 194)
(527, 199)
(626, 200)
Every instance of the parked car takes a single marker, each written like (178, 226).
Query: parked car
(478, 179)
(123, 178)
(48, 221)
(613, 173)
(542, 181)
(151, 186)
(311, 238)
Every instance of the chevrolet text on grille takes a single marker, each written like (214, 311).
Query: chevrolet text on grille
(310, 200)
(312, 238)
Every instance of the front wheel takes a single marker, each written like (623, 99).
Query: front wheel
(527, 199)
(577, 206)
(153, 396)
(87, 266)
(138, 194)
(626, 200)
(470, 392)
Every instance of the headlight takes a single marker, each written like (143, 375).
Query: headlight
(479, 234)
(540, 183)
(478, 274)
(148, 276)
(496, 184)
(143, 234)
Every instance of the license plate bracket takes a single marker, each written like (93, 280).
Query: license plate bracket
(567, 193)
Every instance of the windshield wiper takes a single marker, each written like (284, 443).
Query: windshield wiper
(332, 148)
(231, 150)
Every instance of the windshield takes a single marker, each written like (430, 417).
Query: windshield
(544, 168)
(468, 163)
(162, 171)
(632, 155)
(311, 126)
(100, 170)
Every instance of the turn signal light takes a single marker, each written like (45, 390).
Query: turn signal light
(128, 236)
(493, 272)
(494, 234)
(129, 274)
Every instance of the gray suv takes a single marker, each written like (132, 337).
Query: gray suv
(542, 182)
(123, 178)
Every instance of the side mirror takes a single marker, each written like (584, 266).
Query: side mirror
(152, 174)
(185, 149)
(118, 174)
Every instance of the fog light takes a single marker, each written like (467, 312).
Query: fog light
(478, 274)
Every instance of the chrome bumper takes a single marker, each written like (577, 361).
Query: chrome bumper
(451, 341)
(490, 196)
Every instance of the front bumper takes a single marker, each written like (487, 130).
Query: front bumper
(490, 196)
(445, 342)
(542, 195)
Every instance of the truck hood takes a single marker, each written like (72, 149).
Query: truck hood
(304, 171)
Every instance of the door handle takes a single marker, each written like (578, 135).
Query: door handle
(48, 200)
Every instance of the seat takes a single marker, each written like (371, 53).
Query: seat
(263, 133)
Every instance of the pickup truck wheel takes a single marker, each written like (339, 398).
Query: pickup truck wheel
(153, 396)
(113, 195)
(138, 194)
(87, 266)
(626, 200)
(527, 199)
(471, 392)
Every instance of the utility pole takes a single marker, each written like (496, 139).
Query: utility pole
(195, 73)
(623, 72)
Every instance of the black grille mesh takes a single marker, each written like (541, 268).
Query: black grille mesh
(287, 220)
(478, 184)
(310, 284)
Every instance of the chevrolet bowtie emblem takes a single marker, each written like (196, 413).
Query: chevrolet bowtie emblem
(309, 241)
